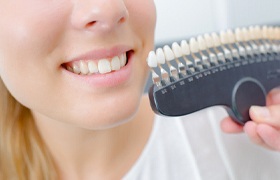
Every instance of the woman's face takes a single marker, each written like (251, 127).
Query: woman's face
(64, 59)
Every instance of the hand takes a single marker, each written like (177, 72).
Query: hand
(264, 129)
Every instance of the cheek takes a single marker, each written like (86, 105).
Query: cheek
(143, 20)
(143, 17)
(30, 32)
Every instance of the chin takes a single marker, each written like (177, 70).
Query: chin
(110, 117)
(105, 123)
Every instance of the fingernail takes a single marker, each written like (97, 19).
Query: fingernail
(259, 111)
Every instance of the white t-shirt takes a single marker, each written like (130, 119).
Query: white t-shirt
(194, 148)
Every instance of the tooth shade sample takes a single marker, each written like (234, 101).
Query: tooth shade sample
(230, 36)
(216, 39)
(209, 41)
(238, 35)
(185, 47)
(194, 45)
(265, 32)
(246, 35)
(258, 32)
(152, 59)
(224, 38)
(271, 33)
(277, 33)
(160, 56)
(201, 43)
(169, 55)
(177, 50)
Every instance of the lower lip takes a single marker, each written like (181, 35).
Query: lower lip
(114, 78)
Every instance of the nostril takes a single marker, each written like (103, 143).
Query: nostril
(90, 24)
(122, 19)
(123, 16)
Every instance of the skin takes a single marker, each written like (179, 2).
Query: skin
(83, 126)
(43, 35)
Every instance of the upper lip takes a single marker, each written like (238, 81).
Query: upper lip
(101, 53)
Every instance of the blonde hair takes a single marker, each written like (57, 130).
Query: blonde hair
(23, 155)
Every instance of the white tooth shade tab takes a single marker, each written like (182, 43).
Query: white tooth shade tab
(152, 59)
(230, 35)
(160, 56)
(92, 67)
(104, 66)
(177, 50)
(271, 34)
(239, 35)
(265, 32)
(169, 55)
(216, 39)
(209, 40)
(185, 47)
(201, 43)
(252, 33)
(274, 29)
(258, 32)
(194, 45)
(224, 37)
(277, 33)
(246, 35)
(115, 63)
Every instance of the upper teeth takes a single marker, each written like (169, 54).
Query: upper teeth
(101, 66)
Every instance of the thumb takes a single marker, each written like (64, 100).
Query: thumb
(273, 96)
(267, 114)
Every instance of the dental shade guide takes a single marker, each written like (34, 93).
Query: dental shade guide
(235, 69)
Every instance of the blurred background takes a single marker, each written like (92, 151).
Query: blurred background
(179, 19)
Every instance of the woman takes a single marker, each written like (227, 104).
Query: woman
(72, 78)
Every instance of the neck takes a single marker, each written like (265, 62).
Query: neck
(81, 154)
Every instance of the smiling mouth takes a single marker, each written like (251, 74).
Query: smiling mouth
(101, 66)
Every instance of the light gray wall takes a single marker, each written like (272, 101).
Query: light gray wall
(178, 19)
(243, 12)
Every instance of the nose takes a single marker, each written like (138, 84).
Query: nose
(98, 15)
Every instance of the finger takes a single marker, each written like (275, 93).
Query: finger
(273, 96)
(270, 136)
(250, 128)
(229, 126)
(269, 115)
